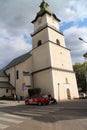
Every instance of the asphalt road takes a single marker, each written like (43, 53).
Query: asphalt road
(71, 115)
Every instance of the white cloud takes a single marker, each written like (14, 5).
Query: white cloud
(16, 17)
(78, 48)
(11, 47)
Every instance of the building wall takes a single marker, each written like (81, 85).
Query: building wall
(42, 35)
(52, 21)
(4, 79)
(62, 81)
(23, 80)
(12, 72)
(45, 19)
(58, 57)
(41, 57)
(61, 58)
(44, 81)
(3, 92)
(53, 35)
(62, 71)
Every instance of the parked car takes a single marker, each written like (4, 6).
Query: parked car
(37, 99)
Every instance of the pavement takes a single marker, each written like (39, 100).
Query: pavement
(10, 103)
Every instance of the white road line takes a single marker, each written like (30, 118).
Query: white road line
(36, 112)
(14, 116)
(41, 110)
(24, 113)
(2, 126)
(10, 120)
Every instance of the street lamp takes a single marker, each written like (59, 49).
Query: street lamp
(82, 40)
(85, 56)
(58, 91)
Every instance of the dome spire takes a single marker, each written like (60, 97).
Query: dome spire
(44, 8)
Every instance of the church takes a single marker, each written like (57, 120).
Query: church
(47, 66)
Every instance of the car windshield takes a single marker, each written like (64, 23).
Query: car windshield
(35, 96)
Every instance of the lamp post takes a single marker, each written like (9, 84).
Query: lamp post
(58, 91)
(85, 56)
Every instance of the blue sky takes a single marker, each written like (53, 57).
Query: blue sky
(16, 27)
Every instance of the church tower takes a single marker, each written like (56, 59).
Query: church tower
(51, 60)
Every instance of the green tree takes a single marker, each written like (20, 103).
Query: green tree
(80, 71)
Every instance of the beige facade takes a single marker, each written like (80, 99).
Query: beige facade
(3, 92)
(45, 19)
(52, 65)
(24, 78)
(4, 79)
(6, 89)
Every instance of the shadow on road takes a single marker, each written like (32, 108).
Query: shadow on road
(50, 113)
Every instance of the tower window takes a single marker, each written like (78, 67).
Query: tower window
(57, 42)
(39, 43)
(66, 80)
(6, 90)
(17, 74)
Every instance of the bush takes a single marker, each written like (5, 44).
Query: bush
(6, 98)
(34, 91)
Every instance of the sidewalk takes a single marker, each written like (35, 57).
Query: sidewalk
(10, 103)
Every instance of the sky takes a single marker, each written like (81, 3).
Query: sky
(16, 26)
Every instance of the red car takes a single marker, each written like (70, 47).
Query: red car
(37, 99)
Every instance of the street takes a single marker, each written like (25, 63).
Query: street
(70, 115)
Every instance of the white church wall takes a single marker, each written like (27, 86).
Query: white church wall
(44, 81)
(41, 57)
(46, 19)
(51, 21)
(62, 81)
(53, 35)
(40, 36)
(60, 57)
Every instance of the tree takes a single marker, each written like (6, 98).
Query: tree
(80, 71)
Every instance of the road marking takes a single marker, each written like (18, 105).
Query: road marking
(2, 126)
(14, 116)
(24, 113)
(10, 120)
(36, 112)
(40, 110)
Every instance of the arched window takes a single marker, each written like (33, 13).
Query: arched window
(66, 80)
(57, 42)
(39, 43)
(17, 74)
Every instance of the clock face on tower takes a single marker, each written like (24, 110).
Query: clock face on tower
(39, 21)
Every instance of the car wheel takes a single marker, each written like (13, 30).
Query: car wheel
(40, 103)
